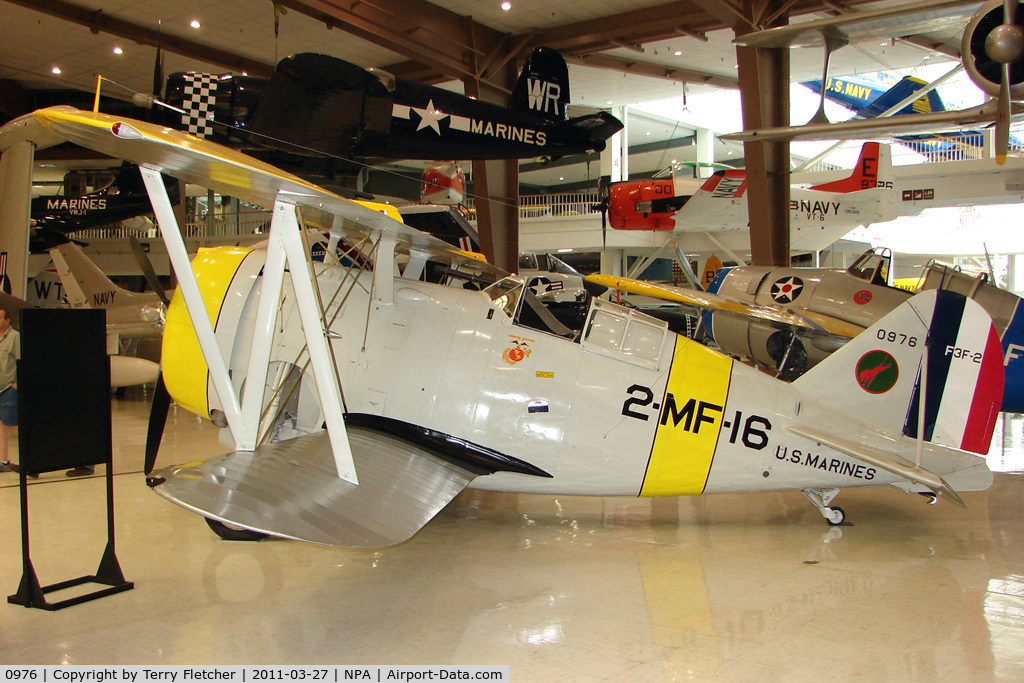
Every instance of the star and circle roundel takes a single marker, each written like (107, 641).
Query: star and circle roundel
(787, 289)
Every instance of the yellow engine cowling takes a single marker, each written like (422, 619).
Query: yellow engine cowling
(218, 271)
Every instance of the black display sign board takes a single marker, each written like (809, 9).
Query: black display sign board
(64, 422)
(63, 390)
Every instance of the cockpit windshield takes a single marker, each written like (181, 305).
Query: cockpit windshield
(872, 267)
(528, 261)
(506, 293)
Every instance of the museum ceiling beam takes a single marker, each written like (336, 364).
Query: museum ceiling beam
(419, 30)
(99, 21)
(651, 70)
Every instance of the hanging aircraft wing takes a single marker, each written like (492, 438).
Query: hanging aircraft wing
(888, 22)
(939, 122)
(805, 320)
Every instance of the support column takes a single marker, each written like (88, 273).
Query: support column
(612, 163)
(496, 184)
(705, 153)
(15, 214)
(764, 90)
(622, 139)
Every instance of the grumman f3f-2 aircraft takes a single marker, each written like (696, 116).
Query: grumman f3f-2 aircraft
(362, 399)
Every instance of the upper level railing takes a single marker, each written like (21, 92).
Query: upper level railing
(550, 205)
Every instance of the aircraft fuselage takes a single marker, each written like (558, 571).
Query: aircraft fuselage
(655, 414)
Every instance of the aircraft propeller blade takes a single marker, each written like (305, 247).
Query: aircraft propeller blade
(603, 201)
(1003, 118)
(157, 420)
(147, 270)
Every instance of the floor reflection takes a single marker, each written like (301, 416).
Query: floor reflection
(726, 587)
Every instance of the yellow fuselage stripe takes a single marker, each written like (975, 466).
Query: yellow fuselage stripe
(689, 422)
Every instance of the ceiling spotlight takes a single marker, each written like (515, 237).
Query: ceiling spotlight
(506, 5)
(561, 177)
(56, 70)
(608, 102)
(194, 23)
(118, 51)
(647, 133)
(678, 53)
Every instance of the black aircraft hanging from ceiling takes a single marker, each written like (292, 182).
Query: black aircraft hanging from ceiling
(316, 105)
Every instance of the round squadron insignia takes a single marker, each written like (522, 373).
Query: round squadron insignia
(862, 297)
(787, 289)
(877, 372)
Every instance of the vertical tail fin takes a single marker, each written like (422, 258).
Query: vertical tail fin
(877, 376)
(873, 169)
(926, 104)
(543, 86)
(85, 285)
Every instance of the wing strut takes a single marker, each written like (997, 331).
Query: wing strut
(284, 249)
(193, 300)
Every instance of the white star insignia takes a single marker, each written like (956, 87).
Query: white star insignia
(430, 117)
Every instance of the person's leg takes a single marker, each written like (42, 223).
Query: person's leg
(5, 465)
(8, 426)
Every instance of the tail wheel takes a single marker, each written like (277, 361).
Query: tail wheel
(836, 516)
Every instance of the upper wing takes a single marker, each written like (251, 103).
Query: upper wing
(226, 171)
(805, 320)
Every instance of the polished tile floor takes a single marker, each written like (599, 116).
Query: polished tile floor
(728, 587)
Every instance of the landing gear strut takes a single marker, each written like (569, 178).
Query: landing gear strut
(820, 498)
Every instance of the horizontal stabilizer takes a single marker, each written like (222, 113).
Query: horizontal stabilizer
(291, 489)
(882, 460)
(595, 128)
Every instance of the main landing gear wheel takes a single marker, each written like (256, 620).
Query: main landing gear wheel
(233, 533)
(820, 498)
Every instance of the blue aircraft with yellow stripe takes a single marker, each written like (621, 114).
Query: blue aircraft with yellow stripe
(362, 395)
(870, 95)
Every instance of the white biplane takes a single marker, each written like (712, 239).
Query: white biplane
(362, 394)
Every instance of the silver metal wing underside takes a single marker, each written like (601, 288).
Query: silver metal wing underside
(292, 489)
